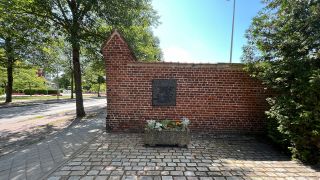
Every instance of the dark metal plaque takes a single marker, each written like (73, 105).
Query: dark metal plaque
(164, 92)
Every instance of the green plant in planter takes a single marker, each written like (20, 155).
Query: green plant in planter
(168, 124)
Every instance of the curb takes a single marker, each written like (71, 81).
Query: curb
(35, 103)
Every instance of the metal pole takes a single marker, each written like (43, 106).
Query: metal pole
(58, 91)
(231, 48)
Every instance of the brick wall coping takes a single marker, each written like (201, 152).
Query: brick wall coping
(233, 66)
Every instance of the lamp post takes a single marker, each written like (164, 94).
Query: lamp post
(231, 48)
(58, 88)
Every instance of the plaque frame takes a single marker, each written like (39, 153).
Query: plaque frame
(164, 92)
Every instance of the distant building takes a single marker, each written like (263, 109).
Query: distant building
(40, 72)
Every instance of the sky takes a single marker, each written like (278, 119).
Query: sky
(199, 31)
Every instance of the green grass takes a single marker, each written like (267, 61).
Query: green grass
(39, 117)
(37, 98)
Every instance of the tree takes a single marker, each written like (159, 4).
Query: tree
(19, 40)
(83, 22)
(283, 51)
(100, 80)
(63, 80)
(93, 76)
(144, 44)
(60, 58)
(24, 77)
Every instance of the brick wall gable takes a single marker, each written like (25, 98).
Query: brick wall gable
(116, 50)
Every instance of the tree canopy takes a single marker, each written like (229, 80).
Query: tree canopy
(83, 25)
(19, 39)
(283, 51)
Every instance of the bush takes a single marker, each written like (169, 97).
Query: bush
(40, 91)
(29, 91)
(17, 91)
(285, 57)
(294, 114)
(279, 139)
(53, 91)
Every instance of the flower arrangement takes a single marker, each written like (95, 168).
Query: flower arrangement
(168, 124)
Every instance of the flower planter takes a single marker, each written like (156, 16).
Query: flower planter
(167, 137)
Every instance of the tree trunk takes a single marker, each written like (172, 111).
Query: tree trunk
(72, 78)
(58, 91)
(30, 88)
(75, 42)
(71, 75)
(10, 80)
(99, 90)
(10, 56)
(77, 79)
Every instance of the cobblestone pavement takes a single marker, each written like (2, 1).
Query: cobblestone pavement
(37, 160)
(123, 156)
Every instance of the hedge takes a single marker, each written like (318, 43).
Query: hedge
(40, 91)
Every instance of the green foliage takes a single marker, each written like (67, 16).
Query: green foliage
(274, 133)
(63, 81)
(20, 39)
(27, 77)
(283, 51)
(2, 91)
(86, 24)
(24, 77)
(144, 44)
(3, 77)
(93, 79)
(172, 125)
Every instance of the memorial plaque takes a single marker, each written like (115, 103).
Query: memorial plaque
(164, 92)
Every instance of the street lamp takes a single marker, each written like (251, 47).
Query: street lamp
(231, 48)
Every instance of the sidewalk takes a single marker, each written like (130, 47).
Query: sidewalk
(37, 160)
(85, 151)
(123, 156)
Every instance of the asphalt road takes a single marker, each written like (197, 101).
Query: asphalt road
(16, 114)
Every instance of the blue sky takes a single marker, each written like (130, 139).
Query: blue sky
(199, 31)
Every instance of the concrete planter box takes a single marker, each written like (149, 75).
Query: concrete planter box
(167, 137)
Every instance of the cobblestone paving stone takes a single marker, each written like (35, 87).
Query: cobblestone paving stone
(120, 156)
(34, 161)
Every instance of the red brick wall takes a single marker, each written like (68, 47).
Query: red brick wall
(217, 98)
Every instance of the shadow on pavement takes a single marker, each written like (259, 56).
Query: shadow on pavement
(13, 141)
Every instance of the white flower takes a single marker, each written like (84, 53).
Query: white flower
(151, 121)
(158, 126)
(185, 121)
(151, 124)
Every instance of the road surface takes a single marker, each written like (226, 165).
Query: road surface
(22, 113)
